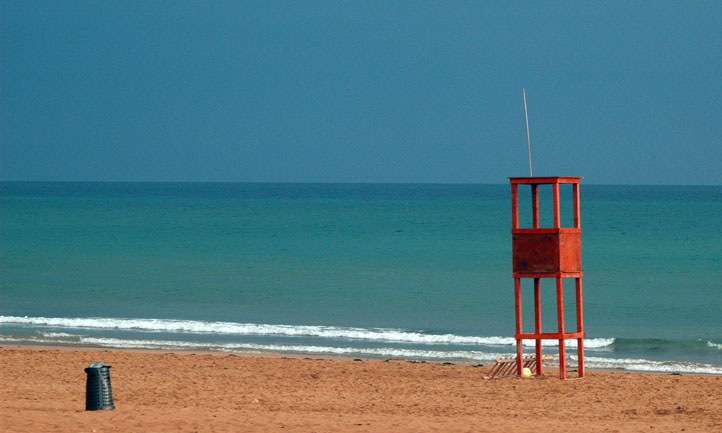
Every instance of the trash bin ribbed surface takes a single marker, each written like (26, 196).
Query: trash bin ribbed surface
(98, 393)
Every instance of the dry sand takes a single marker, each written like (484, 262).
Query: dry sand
(43, 390)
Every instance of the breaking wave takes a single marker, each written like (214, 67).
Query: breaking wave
(253, 329)
(342, 341)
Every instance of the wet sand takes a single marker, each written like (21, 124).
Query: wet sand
(43, 390)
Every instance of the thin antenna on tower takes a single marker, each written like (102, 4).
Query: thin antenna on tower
(528, 142)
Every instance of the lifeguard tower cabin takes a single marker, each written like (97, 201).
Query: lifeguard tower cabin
(547, 252)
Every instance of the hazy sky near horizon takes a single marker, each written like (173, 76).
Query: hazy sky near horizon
(350, 91)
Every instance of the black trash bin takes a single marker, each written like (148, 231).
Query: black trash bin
(98, 393)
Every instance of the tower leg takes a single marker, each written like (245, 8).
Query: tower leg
(517, 305)
(560, 321)
(580, 327)
(537, 326)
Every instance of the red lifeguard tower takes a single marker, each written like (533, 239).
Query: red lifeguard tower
(554, 252)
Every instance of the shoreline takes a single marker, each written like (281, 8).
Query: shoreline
(42, 388)
(270, 354)
(685, 356)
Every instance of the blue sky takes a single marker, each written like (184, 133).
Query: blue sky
(352, 91)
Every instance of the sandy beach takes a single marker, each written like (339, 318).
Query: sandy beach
(42, 389)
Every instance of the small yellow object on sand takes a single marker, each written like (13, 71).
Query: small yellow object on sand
(526, 372)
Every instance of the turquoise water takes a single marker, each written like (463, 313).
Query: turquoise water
(419, 271)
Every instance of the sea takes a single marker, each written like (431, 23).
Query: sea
(414, 271)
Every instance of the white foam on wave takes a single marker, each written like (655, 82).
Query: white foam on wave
(232, 328)
(589, 343)
(714, 345)
(57, 334)
(395, 352)
(651, 366)
(285, 348)
(275, 348)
